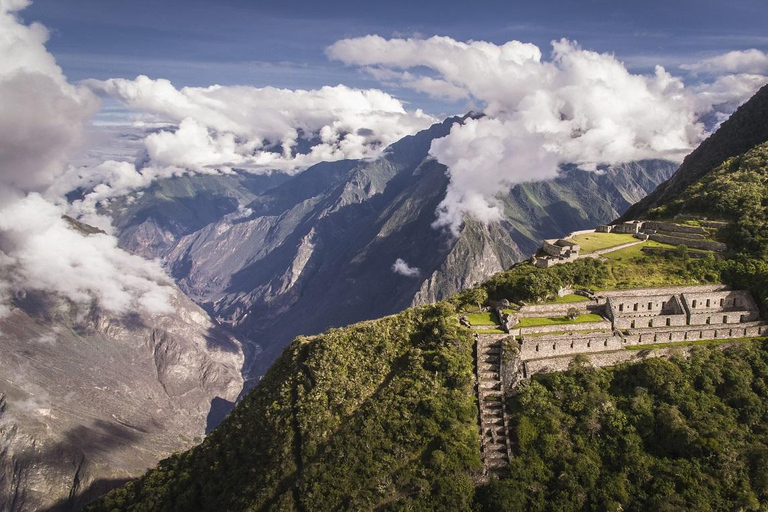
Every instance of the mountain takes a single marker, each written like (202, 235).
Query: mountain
(745, 129)
(377, 415)
(89, 400)
(275, 257)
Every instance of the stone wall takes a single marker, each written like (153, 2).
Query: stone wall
(677, 228)
(718, 300)
(704, 245)
(722, 317)
(605, 325)
(641, 321)
(671, 290)
(611, 358)
(558, 309)
(555, 346)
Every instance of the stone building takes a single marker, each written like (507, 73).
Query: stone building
(639, 317)
(556, 251)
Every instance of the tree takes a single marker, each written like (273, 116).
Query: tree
(573, 313)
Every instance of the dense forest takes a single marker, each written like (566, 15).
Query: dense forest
(680, 434)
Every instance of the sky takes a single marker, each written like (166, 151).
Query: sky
(281, 44)
(105, 97)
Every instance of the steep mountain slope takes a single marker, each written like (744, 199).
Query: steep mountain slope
(375, 416)
(317, 250)
(745, 129)
(89, 400)
(378, 415)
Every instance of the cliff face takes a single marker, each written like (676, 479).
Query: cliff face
(88, 401)
(296, 255)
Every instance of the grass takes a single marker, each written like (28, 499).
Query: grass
(489, 331)
(632, 268)
(591, 242)
(485, 318)
(692, 343)
(567, 299)
(558, 320)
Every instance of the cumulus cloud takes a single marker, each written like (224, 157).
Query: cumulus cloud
(750, 61)
(217, 129)
(401, 267)
(263, 129)
(46, 253)
(578, 106)
(41, 120)
(41, 115)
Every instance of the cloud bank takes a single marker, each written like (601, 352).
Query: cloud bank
(578, 107)
(42, 117)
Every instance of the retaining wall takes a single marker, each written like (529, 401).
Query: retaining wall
(667, 226)
(695, 244)
(605, 325)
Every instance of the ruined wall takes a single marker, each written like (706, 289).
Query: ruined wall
(605, 325)
(647, 321)
(722, 317)
(558, 309)
(534, 348)
(671, 290)
(704, 245)
(676, 228)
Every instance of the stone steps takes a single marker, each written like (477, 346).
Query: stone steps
(490, 398)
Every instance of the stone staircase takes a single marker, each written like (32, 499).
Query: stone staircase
(493, 430)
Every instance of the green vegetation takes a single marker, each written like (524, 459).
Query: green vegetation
(657, 435)
(632, 268)
(591, 242)
(524, 282)
(692, 343)
(558, 320)
(379, 415)
(737, 190)
(484, 318)
(566, 299)
(489, 331)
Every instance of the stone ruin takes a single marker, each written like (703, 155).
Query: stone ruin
(695, 237)
(636, 317)
(556, 251)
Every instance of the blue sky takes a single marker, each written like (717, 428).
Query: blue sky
(281, 44)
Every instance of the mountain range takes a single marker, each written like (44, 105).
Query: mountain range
(381, 415)
(275, 256)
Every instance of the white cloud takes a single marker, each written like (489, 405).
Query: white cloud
(577, 107)
(402, 268)
(45, 253)
(41, 120)
(259, 129)
(41, 115)
(750, 61)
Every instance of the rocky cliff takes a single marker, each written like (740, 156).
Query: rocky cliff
(88, 400)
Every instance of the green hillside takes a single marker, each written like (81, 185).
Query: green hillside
(382, 415)
(379, 415)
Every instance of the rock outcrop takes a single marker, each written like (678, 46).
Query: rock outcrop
(89, 400)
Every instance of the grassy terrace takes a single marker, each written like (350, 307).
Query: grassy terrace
(632, 268)
(567, 299)
(558, 320)
(591, 242)
(486, 318)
